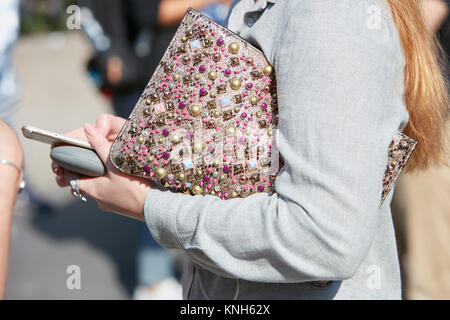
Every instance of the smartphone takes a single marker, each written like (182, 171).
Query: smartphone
(53, 138)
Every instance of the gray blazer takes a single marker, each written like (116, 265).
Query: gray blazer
(339, 67)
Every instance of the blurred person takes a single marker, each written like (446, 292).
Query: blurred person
(437, 17)
(9, 31)
(11, 173)
(135, 36)
(343, 90)
(435, 12)
(9, 85)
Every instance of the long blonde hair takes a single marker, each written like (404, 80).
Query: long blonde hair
(426, 94)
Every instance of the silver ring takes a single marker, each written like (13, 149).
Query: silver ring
(74, 182)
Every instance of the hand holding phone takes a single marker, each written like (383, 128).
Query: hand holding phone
(72, 154)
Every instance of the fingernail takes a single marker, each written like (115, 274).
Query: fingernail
(89, 129)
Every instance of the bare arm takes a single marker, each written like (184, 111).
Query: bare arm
(8, 192)
(11, 150)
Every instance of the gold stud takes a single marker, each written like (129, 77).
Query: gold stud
(160, 172)
(175, 138)
(195, 110)
(268, 70)
(235, 84)
(197, 189)
(198, 147)
(253, 100)
(231, 131)
(233, 47)
(212, 75)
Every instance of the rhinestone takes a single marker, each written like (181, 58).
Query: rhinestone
(195, 45)
(216, 57)
(221, 88)
(211, 104)
(225, 101)
(207, 43)
(237, 98)
(186, 60)
(227, 115)
(197, 57)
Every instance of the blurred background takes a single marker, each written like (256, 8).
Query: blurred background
(69, 66)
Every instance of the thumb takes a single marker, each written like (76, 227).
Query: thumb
(98, 141)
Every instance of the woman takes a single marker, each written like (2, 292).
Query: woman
(11, 173)
(344, 85)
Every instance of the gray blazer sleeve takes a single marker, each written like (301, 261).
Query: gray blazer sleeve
(338, 86)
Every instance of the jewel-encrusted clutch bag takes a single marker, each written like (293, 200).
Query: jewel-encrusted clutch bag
(205, 122)
(400, 151)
